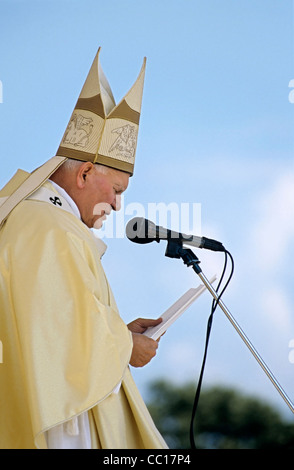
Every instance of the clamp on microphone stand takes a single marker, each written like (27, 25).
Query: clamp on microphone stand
(175, 250)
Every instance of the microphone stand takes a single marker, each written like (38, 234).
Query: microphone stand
(175, 250)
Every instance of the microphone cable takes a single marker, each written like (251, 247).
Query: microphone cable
(208, 331)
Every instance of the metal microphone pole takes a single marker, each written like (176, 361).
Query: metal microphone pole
(175, 250)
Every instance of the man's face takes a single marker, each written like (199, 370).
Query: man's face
(101, 194)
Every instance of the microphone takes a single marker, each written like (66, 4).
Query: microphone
(140, 230)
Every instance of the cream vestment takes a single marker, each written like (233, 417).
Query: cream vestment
(66, 350)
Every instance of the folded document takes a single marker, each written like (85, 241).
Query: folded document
(176, 310)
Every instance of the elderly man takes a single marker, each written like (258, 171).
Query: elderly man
(96, 190)
(65, 377)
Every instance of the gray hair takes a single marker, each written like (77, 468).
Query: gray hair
(71, 164)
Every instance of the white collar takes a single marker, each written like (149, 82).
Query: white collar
(67, 197)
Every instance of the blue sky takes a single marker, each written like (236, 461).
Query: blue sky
(216, 130)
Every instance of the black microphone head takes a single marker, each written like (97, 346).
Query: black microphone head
(138, 230)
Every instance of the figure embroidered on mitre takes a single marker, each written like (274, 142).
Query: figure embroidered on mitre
(125, 144)
(78, 131)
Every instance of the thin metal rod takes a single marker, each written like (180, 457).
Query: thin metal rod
(247, 342)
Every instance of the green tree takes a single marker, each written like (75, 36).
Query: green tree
(225, 419)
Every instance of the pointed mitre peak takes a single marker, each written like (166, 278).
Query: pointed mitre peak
(96, 86)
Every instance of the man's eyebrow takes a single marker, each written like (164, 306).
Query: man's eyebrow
(119, 187)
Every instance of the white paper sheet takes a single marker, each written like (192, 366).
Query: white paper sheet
(176, 310)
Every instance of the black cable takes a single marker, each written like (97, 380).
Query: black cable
(208, 331)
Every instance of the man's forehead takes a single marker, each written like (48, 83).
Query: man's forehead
(120, 179)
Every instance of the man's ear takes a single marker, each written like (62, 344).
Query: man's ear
(84, 170)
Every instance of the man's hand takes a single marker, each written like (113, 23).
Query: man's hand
(141, 324)
(144, 348)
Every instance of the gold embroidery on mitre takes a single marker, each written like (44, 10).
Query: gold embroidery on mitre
(125, 143)
(78, 131)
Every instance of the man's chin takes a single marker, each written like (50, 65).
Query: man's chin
(98, 222)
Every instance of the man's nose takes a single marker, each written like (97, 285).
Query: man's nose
(117, 203)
